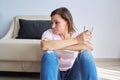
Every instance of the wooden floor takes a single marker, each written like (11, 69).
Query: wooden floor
(108, 69)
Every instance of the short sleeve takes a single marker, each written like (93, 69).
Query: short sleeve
(47, 35)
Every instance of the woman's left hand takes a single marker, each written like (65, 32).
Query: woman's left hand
(84, 37)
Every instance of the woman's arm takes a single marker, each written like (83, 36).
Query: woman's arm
(67, 43)
(57, 44)
(79, 47)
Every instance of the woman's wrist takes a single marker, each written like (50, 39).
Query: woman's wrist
(76, 40)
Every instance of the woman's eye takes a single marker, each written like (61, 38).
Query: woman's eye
(56, 22)
(51, 22)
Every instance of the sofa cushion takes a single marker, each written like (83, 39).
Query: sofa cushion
(32, 29)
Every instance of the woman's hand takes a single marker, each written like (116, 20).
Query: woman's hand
(84, 37)
(88, 46)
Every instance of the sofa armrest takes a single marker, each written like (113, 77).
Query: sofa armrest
(20, 50)
(9, 34)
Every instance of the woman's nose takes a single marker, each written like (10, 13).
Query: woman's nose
(53, 25)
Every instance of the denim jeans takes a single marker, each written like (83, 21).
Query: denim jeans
(83, 68)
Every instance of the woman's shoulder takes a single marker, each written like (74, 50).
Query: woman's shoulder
(48, 31)
(74, 34)
(48, 34)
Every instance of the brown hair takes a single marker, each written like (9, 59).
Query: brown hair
(66, 15)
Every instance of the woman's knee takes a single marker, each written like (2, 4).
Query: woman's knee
(50, 56)
(86, 55)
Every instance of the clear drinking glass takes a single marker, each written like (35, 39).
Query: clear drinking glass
(88, 28)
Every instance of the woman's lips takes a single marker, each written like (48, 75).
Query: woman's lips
(54, 30)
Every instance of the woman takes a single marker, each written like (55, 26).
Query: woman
(67, 54)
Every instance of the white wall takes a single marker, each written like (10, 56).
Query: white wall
(103, 15)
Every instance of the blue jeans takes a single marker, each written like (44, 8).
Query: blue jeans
(83, 68)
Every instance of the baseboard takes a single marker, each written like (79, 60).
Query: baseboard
(107, 59)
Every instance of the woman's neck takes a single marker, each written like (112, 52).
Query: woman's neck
(65, 35)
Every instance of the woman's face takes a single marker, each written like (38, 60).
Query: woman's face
(59, 25)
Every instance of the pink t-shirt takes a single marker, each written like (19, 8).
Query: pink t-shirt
(66, 57)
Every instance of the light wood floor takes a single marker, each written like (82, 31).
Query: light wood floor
(108, 69)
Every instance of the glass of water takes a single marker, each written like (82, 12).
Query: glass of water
(88, 28)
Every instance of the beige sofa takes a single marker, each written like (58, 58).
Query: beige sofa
(21, 55)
